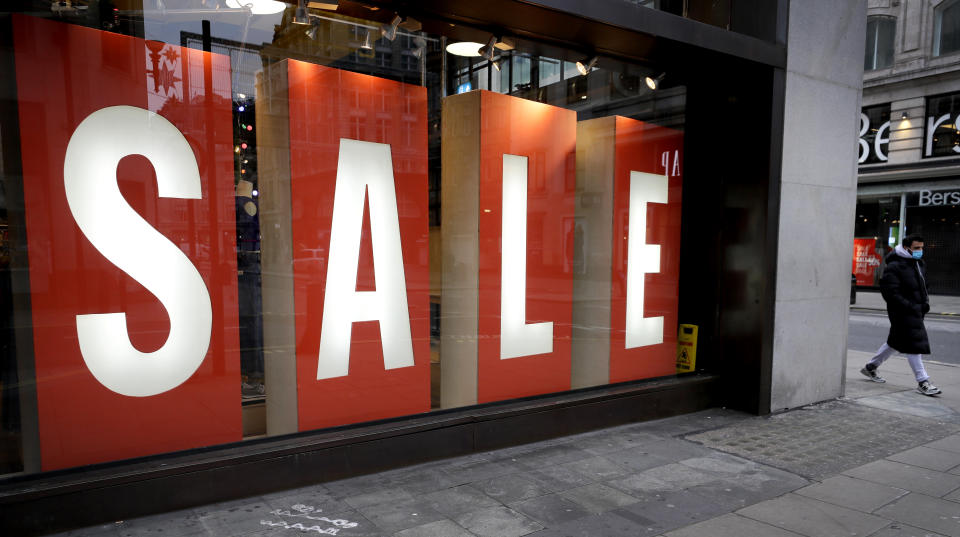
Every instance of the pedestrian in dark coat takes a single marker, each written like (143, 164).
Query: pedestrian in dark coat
(904, 288)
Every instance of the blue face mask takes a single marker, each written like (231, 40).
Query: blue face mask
(917, 254)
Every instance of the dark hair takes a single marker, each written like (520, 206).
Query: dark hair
(910, 239)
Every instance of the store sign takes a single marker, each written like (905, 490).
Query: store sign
(865, 260)
(358, 162)
(874, 134)
(929, 198)
(129, 210)
(647, 192)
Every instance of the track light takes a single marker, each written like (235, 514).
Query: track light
(312, 32)
(419, 46)
(585, 68)
(389, 31)
(487, 50)
(496, 65)
(300, 16)
(654, 82)
(367, 45)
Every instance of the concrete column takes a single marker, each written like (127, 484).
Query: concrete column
(817, 199)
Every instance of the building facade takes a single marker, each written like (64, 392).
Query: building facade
(909, 147)
(249, 246)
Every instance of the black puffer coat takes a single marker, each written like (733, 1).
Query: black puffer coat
(904, 288)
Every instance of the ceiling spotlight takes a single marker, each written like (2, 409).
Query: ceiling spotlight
(419, 46)
(329, 5)
(585, 68)
(487, 50)
(367, 45)
(654, 83)
(389, 31)
(300, 16)
(467, 49)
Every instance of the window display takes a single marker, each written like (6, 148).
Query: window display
(346, 216)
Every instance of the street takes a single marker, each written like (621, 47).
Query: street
(868, 330)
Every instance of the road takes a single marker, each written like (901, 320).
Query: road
(868, 330)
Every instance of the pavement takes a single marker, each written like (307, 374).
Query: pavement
(939, 304)
(883, 461)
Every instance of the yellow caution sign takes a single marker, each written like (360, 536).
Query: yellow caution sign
(687, 348)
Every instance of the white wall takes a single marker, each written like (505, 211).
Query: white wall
(818, 198)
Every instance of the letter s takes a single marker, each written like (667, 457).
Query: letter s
(129, 242)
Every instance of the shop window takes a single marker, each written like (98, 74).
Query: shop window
(941, 131)
(341, 226)
(878, 53)
(946, 28)
(874, 134)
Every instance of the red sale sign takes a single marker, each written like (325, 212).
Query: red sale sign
(527, 154)
(358, 161)
(128, 193)
(865, 260)
(648, 186)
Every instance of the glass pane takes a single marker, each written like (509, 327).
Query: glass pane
(949, 24)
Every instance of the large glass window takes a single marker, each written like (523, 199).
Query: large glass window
(946, 28)
(225, 220)
(941, 131)
(874, 134)
(880, 36)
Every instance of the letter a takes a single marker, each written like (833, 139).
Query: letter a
(642, 259)
(517, 338)
(364, 168)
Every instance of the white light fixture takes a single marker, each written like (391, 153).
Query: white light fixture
(904, 115)
(654, 82)
(487, 50)
(258, 7)
(585, 67)
(300, 16)
(389, 31)
(367, 45)
(467, 49)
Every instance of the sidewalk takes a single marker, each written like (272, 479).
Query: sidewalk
(884, 461)
(939, 304)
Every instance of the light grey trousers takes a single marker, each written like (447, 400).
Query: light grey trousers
(916, 363)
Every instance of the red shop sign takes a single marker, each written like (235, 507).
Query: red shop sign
(128, 189)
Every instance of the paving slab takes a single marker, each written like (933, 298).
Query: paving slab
(929, 458)
(897, 529)
(907, 477)
(457, 500)
(598, 468)
(390, 495)
(510, 488)
(926, 512)
(393, 517)
(598, 498)
(813, 518)
(440, 528)
(550, 509)
(912, 403)
(731, 526)
(605, 525)
(558, 478)
(498, 522)
(665, 511)
(853, 493)
(950, 443)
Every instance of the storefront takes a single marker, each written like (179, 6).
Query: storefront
(254, 245)
(920, 197)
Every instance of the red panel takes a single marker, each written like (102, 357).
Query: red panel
(546, 135)
(643, 147)
(65, 73)
(326, 105)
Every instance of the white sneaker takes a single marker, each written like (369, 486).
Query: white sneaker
(928, 389)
